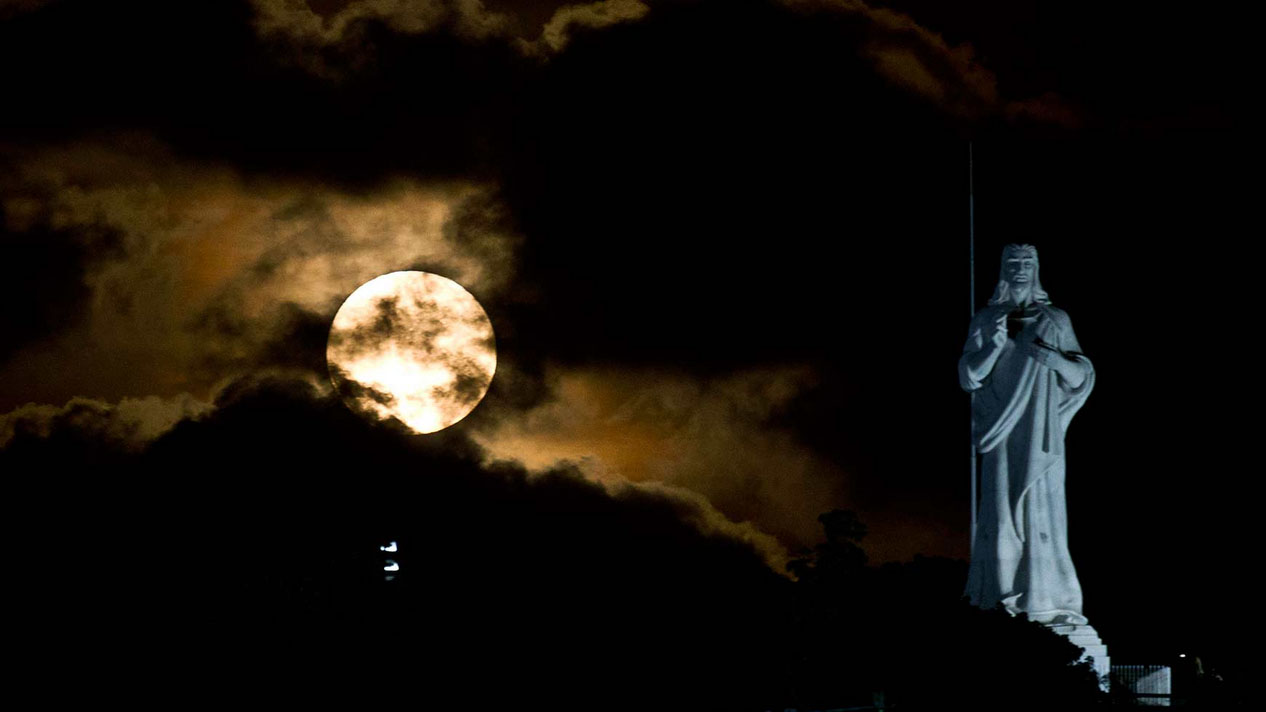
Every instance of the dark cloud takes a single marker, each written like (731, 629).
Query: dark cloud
(470, 385)
(199, 77)
(288, 337)
(299, 342)
(260, 522)
(45, 268)
(354, 392)
(105, 429)
(1130, 64)
(387, 320)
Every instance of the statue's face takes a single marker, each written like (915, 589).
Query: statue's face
(1018, 268)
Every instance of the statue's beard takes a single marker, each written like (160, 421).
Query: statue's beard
(1013, 293)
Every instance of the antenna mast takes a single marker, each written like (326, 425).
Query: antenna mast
(971, 281)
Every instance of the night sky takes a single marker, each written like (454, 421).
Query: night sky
(724, 248)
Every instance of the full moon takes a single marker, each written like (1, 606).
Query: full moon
(413, 346)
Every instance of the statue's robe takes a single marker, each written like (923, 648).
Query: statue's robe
(1020, 412)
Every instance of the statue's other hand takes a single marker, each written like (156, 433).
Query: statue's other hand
(1072, 371)
(1043, 353)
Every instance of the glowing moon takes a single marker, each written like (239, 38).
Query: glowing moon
(413, 346)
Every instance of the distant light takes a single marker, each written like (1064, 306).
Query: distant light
(391, 566)
(1182, 655)
(389, 547)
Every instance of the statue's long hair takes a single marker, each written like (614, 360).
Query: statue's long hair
(1003, 292)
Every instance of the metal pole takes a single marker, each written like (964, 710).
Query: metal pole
(971, 281)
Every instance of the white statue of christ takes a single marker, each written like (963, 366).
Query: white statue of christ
(1027, 376)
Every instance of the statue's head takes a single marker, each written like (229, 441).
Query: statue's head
(1019, 273)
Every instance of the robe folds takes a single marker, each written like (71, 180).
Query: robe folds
(1020, 413)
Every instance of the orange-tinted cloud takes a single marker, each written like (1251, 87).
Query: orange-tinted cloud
(711, 437)
(557, 32)
(300, 21)
(912, 56)
(898, 46)
(129, 424)
(211, 266)
(717, 439)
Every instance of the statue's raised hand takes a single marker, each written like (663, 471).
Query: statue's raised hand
(999, 335)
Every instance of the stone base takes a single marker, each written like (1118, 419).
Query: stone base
(1085, 637)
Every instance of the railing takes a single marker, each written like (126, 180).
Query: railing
(1148, 685)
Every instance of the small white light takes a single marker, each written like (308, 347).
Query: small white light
(389, 547)
(391, 566)
(1182, 655)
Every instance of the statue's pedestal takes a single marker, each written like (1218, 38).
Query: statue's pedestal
(1085, 637)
